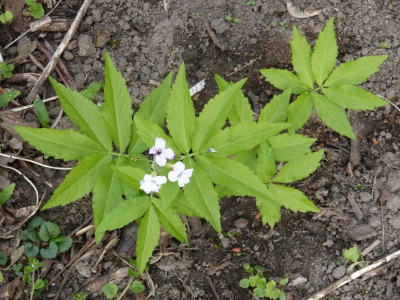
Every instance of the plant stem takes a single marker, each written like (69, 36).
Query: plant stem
(33, 284)
(126, 289)
(34, 162)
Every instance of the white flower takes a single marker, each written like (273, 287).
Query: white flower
(161, 153)
(179, 174)
(152, 184)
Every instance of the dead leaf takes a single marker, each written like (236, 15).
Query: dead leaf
(24, 212)
(220, 266)
(16, 256)
(96, 285)
(297, 13)
(13, 290)
(16, 6)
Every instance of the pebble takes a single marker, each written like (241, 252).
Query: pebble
(328, 243)
(219, 25)
(393, 203)
(86, 46)
(365, 197)
(241, 223)
(393, 182)
(68, 55)
(361, 232)
(97, 15)
(339, 272)
(395, 222)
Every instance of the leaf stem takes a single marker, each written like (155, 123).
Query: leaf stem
(34, 162)
(126, 289)
(33, 284)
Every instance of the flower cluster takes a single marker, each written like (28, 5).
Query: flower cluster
(152, 183)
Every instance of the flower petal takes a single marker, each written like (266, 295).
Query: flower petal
(188, 172)
(160, 180)
(168, 153)
(147, 186)
(153, 150)
(173, 175)
(179, 166)
(160, 143)
(182, 180)
(161, 160)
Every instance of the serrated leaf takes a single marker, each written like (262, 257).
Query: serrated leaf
(79, 181)
(6, 193)
(301, 58)
(183, 206)
(266, 165)
(85, 114)
(332, 115)
(49, 230)
(356, 71)
(299, 168)
(283, 80)
(125, 213)
(325, 52)
(169, 190)
(31, 250)
(299, 112)
(117, 106)
(7, 97)
(290, 146)
(110, 290)
(201, 196)
(277, 109)
(353, 97)
(180, 113)
(61, 144)
(35, 223)
(292, 199)
(170, 220)
(30, 235)
(91, 91)
(147, 238)
(214, 115)
(129, 175)
(63, 243)
(351, 254)
(49, 252)
(38, 284)
(270, 210)
(137, 287)
(153, 110)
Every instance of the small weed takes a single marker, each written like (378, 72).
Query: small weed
(384, 45)
(6, 17)
(231, 19)
(35, 8)
(351, 254)
(250, 3)
(6, 70)
(359, 187)
(283, 25)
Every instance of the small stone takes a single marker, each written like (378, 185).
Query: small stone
(15, 143)
(365, 197)
(219, 25)
(86, 46)
(361, 232)
(339, 272)
(395, 222)
(393, 203)
(225, 242)
(68, 55)
(328, 243)
(393, 182)
(375, 222)
(97, 15)
(256, 248)
(241, 223)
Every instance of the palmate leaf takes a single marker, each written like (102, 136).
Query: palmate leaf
(241, 111)
(353, 97)
(301, 58)
(79, 181)
(356, 71)
(292, 199)
(332, 115)
(171, 221)
(201, 196)
(299, 168)
(180, 113)
(276, 110)
(290, 146)
(117, 106)
(123, 214)
(61, 144)
(270, 210)
(85, 114)
(152, 109)
(299, 112)
(129, 175)
(266, 165)
(325, 53)
(214, 115)
(147, 238)
(283, 80)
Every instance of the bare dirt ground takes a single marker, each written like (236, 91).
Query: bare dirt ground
(146, 40)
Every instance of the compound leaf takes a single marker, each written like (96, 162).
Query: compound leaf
(270, 210)
(301, 58)
(169, 190)
(277, 109)
(290, 146)
(283, 80)
(299, 112)
(266, 166)
(129, 175)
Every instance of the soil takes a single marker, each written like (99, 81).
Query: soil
(146, 40)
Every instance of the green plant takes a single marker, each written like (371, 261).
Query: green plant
(250, 3)
(35, 8)
(351, 254)
(231, 19)
(39, 232)
(6, 17)
(80, 296)
(6, 70)
(335, 89)
(31, 277)
(3, 258)
(42, 112)
(7, 97)
(262, 288)
(384, 45)
(283, 25)
(6, 193)
(91, 91)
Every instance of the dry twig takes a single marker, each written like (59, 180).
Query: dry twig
(214, 38)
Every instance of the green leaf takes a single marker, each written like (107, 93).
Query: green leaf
(269, 209)
(299, 112)
(171, 221)
(181, 205)
(266, 166)
(30, 235)
(31, 250)
(63, 243)
(137, 287)
(117, 106)
(325, 52)
(85, 114)
(352, 254)
(201, 196)
(299, 168)
(180, 113)
(36, 10)
(271, 291)
(91, 91)
(353, 97)
(35, 223)
(42, 112)
(244, 283)
(169, 190)
(290, 146)
(3, 258)
(356, 71)
(147, 238)
(153, 110)
(39, 284)
(110, 290)
(301, 58)
(79, 181)
(125, 213)
(277, 109)
(61, 144)
(292, 199)
(129, 175)
(49, 230)
(283, 80)
(7, 97)
(1, 274)
(214, 115)
(332, 115)
(49, 252)
(7, 17)
(6, 193)
(284, 280)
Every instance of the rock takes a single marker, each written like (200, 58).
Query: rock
(86, 46)
(339, 272)
(15, 143)
(170, 263)
(365, 197)
(361, 232)
(4, 182)
(224, 242)
(328, 243)
(219, 25)
(395, 222)
(393, 182)
(68, 55)
(393, 203)
(97, 15)
(241, 223)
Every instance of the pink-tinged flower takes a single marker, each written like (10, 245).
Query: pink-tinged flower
(152, 184)
(179, 174)
(161, 153)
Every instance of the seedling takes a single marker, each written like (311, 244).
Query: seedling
(6, 70)
(91, 91)
(351, 254)
(283, 25)
(250, 3)
(232, 19)
(31, 277)
(42, 112)
(384, 45)
(6, 193)
(6, 17)
(8, 97)
(35, 8)
(80, 296)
